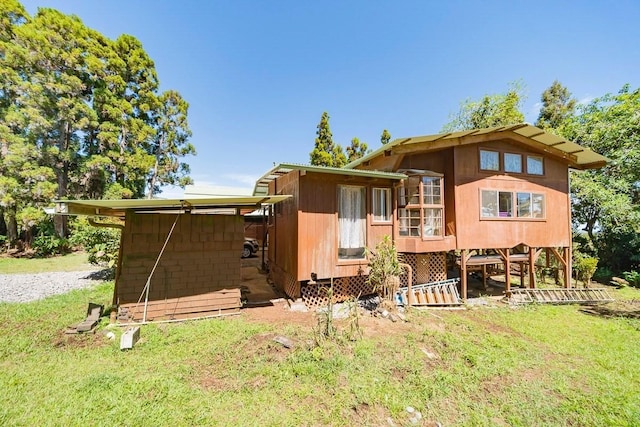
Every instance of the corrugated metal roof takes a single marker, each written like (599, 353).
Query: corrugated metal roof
(577, 156)
(262, 185)
(194, 205)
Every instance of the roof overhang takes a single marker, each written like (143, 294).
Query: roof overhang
(577, 156)
(262, 184)
(196, 205)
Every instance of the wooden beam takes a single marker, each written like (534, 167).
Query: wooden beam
(567, 267)
(559, 257)
(484, 276)
(507, 272)
(463, 274)
(533, 256)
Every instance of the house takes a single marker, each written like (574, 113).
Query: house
(179, 258)
(480, 197)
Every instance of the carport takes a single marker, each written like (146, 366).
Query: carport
(179, 258)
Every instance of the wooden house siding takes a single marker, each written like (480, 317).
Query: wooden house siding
(304, 233)
(554, 230)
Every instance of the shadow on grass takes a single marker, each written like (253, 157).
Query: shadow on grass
(102, 275)
(628, 309)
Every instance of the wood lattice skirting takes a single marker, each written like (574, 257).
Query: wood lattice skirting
(315, 295)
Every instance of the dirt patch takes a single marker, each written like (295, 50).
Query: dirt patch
(86, 340)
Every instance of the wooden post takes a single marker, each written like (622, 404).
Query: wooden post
(567, 267)
(521, 264)
(507, 273)
(463, 274)
(484, 276)
(532, 269)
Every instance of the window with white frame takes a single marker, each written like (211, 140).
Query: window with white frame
(421, 207)
(381, 205)
(508, 204)
(513, 162)
(352, 222)
(535, 165)
(489, 160)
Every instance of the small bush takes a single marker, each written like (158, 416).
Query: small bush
(633, 277)
(585, 267)
(603, 275)
(48, 245)
(101, 244)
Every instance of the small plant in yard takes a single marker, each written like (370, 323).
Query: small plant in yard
(585, 267)
(102, 244)
(633, 277)
(385, 269)
(325, 329)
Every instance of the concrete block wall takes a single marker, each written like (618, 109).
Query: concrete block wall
(202, 255)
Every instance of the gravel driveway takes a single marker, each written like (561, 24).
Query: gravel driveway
(30, 287)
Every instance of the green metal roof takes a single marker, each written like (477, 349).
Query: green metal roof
(191, 204)
(262, 185)
(578, 157)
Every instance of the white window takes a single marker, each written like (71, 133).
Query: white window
(512, 162)
(535, 165)
(421, 212)
(381, 205)
(500, 204)
(489, 160)
(352, 222)
(537, 206)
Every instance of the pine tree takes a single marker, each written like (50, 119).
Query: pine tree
(325, 152)
(356, 150)
(385, 137)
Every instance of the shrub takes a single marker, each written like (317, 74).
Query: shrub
(633, 277)
(101, 244)
(603, 275)
(585, 267)
(384, 269)
(47, 245)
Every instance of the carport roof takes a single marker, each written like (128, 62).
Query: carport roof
(196, 205)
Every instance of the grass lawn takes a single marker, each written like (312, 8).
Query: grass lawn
(75, 261)
(531, 366)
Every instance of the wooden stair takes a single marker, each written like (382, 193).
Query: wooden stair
(559, 296)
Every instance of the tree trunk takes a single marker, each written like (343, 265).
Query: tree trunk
(61, 222)
(3, 224)
(12, 228)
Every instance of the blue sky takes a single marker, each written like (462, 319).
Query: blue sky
(259, 74)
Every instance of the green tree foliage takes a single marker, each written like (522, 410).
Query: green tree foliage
(490, 111)
(385, 137)
(557, 107)
(605, 201)
(170, 143)
(356, 150)
(81, 117)
(325, 152)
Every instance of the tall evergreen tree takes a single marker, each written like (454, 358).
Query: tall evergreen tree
(170, 143)
(557, 106)
(385, 137)
(356, 150)
(325, 152)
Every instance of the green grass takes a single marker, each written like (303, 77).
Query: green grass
(535, 365)
(72, 262)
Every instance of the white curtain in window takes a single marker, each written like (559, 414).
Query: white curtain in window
(352, 218)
